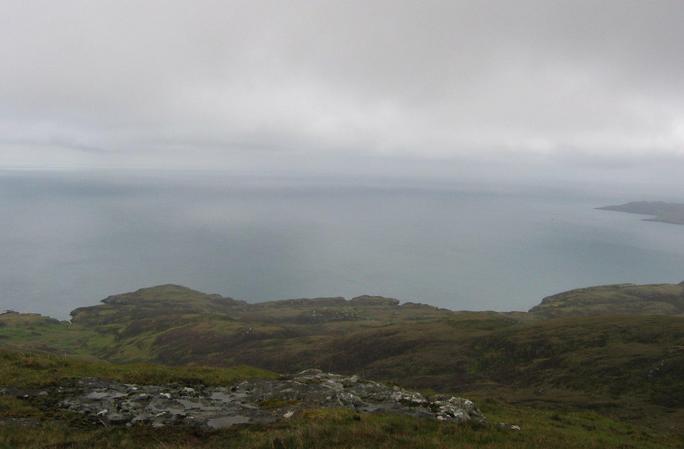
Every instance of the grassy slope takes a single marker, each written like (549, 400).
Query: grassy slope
(418, 346)
(630, 367)
(35, 370)
(344, 429)
(36, 332)
(317, 428)
(614, 354)
(622, 299)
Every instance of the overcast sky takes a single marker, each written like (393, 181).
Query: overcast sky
(369, 85)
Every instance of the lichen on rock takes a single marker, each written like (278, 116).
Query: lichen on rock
(254, 401)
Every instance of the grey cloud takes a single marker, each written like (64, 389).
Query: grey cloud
(279, 84)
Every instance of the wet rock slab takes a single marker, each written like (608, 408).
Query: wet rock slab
(255, 401)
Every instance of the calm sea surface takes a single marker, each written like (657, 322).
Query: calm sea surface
(70, 239)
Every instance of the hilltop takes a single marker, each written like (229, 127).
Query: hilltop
(414, 344)
(619, 299)
(617, 350)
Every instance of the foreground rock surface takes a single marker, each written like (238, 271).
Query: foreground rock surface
(256, 401)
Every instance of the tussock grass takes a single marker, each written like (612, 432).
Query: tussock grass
(331, 428)
(29, 424)
(25, 369)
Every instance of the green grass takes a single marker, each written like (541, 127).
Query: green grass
(633, 356)
(620, 299)
(557, 374)
(332, 428)
(36, 332)
(32, 423)
(23, 369)
(640, 357)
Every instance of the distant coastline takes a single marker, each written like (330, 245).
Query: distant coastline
(660, 211)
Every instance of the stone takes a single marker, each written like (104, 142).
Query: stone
(255, 401)
(100, 395)
(504, 426)
(117, 418)
(227, 421)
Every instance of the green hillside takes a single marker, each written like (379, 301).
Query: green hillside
(30, 420)
(614, 350)
(620, 299)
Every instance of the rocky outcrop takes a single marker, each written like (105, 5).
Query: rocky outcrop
(368, 300)
(255, 401)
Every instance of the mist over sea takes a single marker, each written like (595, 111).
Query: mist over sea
(68, 239)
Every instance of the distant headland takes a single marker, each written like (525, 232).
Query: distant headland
(660, 211)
